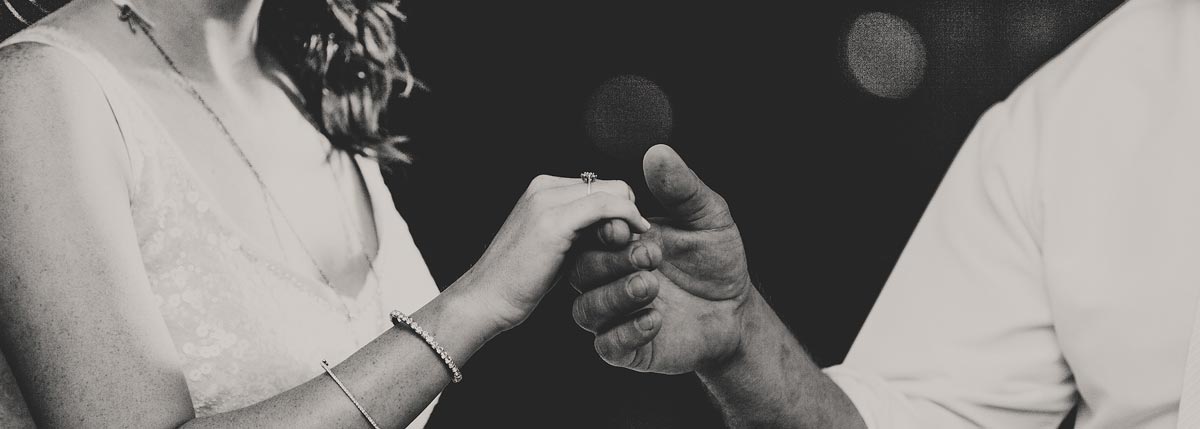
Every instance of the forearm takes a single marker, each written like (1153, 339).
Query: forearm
(394, 377)
(772, 382)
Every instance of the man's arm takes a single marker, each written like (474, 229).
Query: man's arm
(770, 381)
(961, 336)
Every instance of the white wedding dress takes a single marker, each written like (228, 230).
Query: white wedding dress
(244, 326)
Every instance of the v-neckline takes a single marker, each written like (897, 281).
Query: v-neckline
(259, 251)
(218, 211)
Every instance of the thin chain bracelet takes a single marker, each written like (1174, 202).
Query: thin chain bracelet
(403, 320)
(328, 370)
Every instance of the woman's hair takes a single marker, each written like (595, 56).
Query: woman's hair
(345, 64)
(340, 55)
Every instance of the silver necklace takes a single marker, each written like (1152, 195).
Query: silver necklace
(132, 18)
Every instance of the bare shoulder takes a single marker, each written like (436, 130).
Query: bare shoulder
(36, 73)
(59, 140)
(52, 108)
(77, 315)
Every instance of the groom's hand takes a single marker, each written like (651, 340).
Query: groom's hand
(685, 314)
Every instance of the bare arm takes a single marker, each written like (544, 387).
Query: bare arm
(77, 321)
(962, 334)
(771, 382)
(394, 377)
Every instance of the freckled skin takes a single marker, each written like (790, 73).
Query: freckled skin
(79, 327)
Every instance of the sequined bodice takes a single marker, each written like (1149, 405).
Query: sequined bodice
(245, 327)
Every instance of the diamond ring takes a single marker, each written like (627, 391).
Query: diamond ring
(588, 177)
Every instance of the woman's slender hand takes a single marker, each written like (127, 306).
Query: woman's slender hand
(78, 321)
(521, 263)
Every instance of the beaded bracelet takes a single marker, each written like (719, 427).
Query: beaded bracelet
(403, 320)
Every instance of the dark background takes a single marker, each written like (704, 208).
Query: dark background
(826, 180)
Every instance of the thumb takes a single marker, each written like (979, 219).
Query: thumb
(688, 201)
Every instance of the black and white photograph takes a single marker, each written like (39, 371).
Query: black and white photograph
(655, 214)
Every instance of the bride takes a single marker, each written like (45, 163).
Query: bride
(194, 220)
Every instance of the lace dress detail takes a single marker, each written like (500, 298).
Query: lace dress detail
(245, 327)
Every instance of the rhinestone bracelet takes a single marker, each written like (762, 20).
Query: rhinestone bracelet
(403, 320)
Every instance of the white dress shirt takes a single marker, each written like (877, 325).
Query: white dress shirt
(1059, 261)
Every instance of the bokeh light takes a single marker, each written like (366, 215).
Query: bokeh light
(884, 55)
(627, 115)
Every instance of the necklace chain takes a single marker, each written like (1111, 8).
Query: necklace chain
(128, 15)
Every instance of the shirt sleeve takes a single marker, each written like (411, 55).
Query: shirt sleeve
(962, 332)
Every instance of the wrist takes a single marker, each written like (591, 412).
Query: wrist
(471, 304)
(752, 319)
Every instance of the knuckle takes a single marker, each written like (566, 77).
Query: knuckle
(628, 206)
(720, 202)
(621, 185)
(595, 196)
(606, 349)
(540, 181)
(622, 336)
(604, 204)
(575, 275)
(617, 351)
(639, 360)
(613, 297)
(544, 222)
(538, 200)
(579, 312)
(611, 204)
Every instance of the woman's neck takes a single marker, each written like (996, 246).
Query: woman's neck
(207, 39)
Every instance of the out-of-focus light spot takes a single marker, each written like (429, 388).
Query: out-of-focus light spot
(626, 115)
(884, 55)
(1034, 30)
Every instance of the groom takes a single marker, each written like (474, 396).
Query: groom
(1057, 265)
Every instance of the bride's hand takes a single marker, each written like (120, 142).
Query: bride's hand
(521, 263)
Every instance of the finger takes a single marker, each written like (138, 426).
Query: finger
(579, 189)
(584, 212)
(593, 268)
(575, 190)
(615, 187)
(546, 181)
(604, 306)
(620, 345)
(614, 234)
(686, 198)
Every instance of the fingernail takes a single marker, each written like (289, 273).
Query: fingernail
(645, 224)
(606, 231)
(645, 323)
(641, 257)
(638, 288)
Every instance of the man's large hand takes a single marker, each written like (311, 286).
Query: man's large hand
(686, 314)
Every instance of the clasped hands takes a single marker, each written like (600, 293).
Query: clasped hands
(676, 297)
(667, 295)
